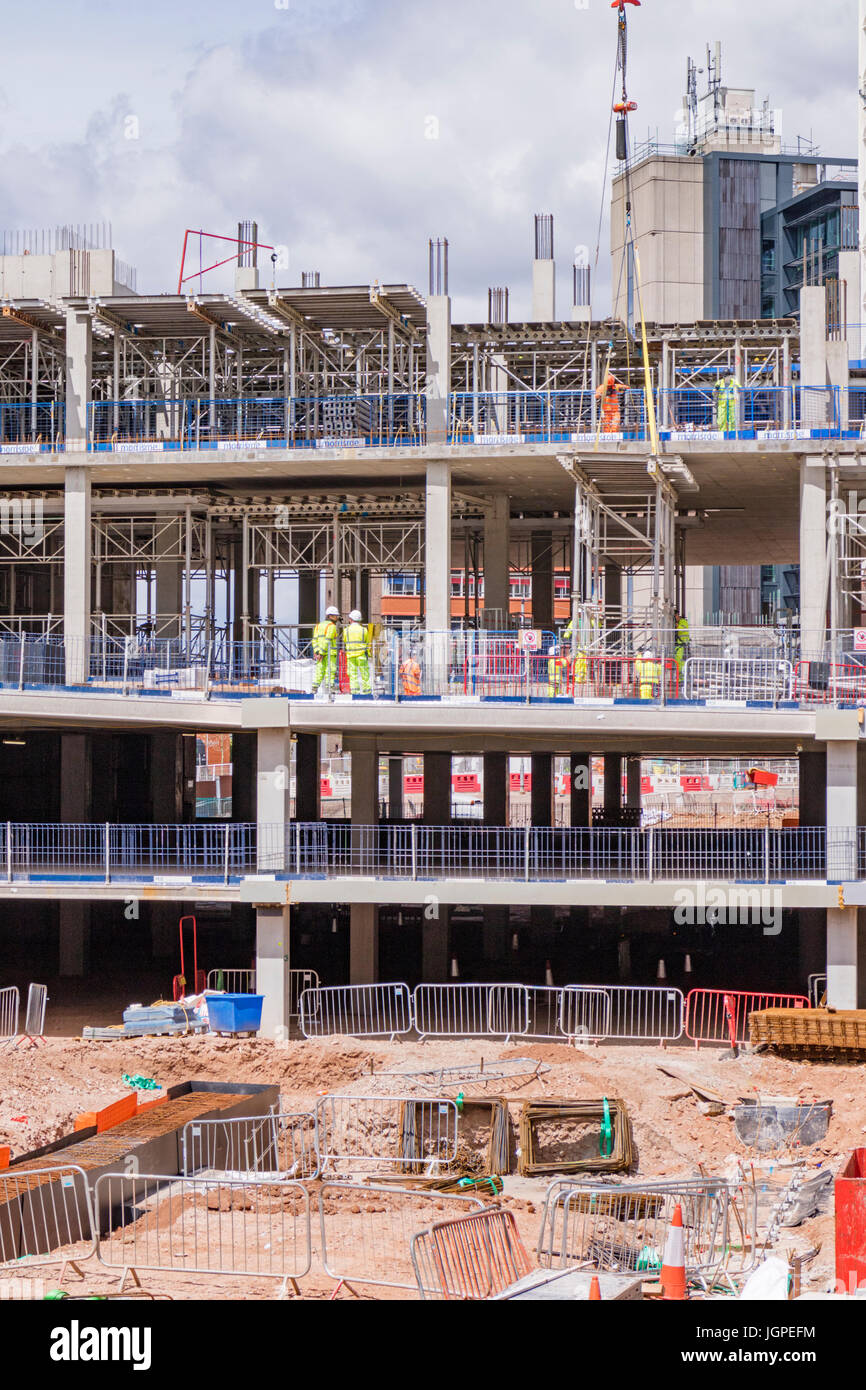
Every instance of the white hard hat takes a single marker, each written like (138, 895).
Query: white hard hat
(355, 616)
(648, 654)
(332, 612)
(552, 651)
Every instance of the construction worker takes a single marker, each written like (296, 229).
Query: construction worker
(648, 672)
(727, 393)
(682, 645)
(410, 677)
(356, 640)
(325, 641)
(557, 673)
(609, 395)
(580, 672)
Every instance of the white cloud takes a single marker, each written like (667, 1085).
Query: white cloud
(312, 120)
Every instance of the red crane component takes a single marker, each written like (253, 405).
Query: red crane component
(240, 242)
(622, 106)
(621, 4)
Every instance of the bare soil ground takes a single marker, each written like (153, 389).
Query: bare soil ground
(43, 1089)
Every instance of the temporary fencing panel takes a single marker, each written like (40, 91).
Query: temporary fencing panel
(9, 1007)
(34, 1019)
(624, 1228)
(817, 990)
(722, 1016)
(634, 1013)
(277, 1143)
(831, 682)
(43, 1211)
(589, 1015)
(463, 1011)
(727, 678)
(362, 1011)
(359, 1134)
(366, 1231)
(258, 1229)
(470, 1258)
(232, 981)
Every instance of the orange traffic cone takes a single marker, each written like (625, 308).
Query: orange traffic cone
(595, 1290)
(673, 1275)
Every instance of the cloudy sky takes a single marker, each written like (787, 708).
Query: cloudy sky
(315, 117)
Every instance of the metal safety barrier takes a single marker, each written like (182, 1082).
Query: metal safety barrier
(34, 1018)
(631, 1013)
(9, 1009)
(623, 1228)
(463, 1011)
(44, 1211)
(281, 1143)
(470, 1258)
(831, 682)
(722, 1016)
(369, 1011)
(731, 679)
(366, 1231)
(231, 980)
(257, 1229)
(817, 990)
(358, 1134)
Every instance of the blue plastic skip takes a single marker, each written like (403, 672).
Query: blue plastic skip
(235, 1013)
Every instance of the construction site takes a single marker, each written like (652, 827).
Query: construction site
(433, 753)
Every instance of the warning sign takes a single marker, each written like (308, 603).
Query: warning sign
(530, 640)
(860, 639)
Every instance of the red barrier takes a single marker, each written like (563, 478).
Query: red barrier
(719, 1015)
(829, 683)
(851, 1224)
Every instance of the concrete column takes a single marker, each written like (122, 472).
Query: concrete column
(308, 598)
(365, 782)
(76, 573)
(496, 789)
(541, 799)
(395, 788)
(437, 788)
(813, 788)
(244, 777)
(497, 554)
(842, 957)
(437, 549)
(438, 367)
(308, 784)
(74, 926)
(273, 754)
(435, 941)
(842, 936)
(169, 595)
(166, 791)
(363, 944)
(612, 787)
(813, 558)
(272, 967)
(541, 544)
(544, 291)
(813, 345)
(633, 781)
(364, 917)
(581, 790)
(435, 918)
(612, 588)
(75, 808)
(79, 374)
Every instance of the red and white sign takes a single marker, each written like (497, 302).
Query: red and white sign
(860, 639)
